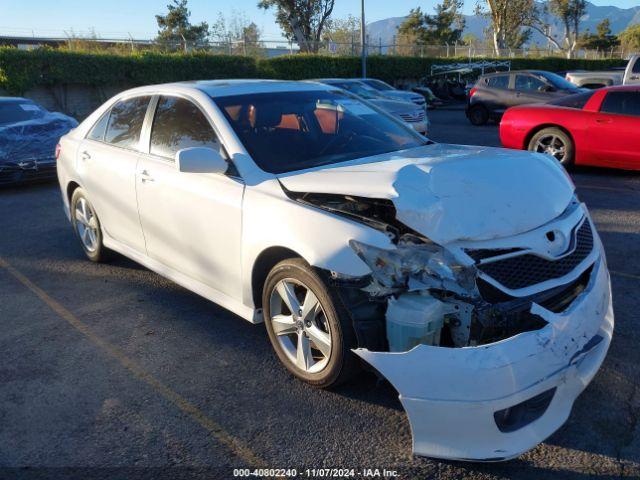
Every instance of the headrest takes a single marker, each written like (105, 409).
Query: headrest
(266, 116)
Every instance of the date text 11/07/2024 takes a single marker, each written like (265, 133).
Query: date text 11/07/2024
(315, 473)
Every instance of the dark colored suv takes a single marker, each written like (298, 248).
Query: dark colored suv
(495, 92)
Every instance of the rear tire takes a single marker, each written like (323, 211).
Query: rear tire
(478, 115)
(554, 142)
(309, 335)
(86, 226)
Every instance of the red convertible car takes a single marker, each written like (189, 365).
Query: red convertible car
(599, 127)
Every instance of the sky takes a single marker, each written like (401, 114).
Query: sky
(124, 18)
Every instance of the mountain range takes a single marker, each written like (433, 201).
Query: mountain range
(620, 18)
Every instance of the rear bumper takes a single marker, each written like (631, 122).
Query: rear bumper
(456, 398)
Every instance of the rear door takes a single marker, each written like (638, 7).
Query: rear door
(615, 131)
(496, 93)
(191, 221)
(106, 164)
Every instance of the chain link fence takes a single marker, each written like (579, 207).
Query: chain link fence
(271, 48)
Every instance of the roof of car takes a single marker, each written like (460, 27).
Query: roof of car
(218, 88)
(623, 88)
(338, 80)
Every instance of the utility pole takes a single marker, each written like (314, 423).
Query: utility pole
(363, 48)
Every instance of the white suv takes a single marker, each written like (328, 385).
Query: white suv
(471, 278)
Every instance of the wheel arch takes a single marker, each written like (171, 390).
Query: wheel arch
(265, 261)
(541, 127)
(72, 186)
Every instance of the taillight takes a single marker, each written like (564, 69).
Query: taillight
(472, 91)
(58, 148)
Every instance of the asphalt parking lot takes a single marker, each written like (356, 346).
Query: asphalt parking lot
(110, 370)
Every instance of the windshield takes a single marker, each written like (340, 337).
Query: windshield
(578, 100)
(558, 82)
(289, 131)
(377, 84)
(19, 111)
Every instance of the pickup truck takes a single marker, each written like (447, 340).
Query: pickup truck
(599, 79)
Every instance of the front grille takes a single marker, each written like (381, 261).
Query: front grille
(529, 269)
(412, 117)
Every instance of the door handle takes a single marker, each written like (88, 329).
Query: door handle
(145, 177)
(603, 120)
(85, 156)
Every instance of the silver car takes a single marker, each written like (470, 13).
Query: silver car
(388, 91)
(413, 115)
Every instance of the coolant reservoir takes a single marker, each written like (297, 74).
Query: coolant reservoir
(414, 319)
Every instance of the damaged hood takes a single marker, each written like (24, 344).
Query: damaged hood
(451, 192)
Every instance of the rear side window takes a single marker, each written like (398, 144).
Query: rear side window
(622, 103)
(499, 81)
(99, 129)
(125, 122)
(178, 124)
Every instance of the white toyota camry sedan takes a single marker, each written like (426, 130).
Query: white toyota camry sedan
(471, 278)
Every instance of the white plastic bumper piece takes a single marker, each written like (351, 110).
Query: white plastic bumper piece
(452, 394)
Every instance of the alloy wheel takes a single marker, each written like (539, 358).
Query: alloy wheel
(86, 225)
(551, 145)
(300, 325)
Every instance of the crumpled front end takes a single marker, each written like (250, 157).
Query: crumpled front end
(495, 401)
(488, 342)
(489, 305)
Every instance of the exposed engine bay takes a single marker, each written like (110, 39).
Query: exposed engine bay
(423, 293)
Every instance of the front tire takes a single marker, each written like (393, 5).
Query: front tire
(308, 334)
(554, 142)
(86, 225)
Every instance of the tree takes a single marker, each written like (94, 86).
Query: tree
(630, 38)
(344, 33)
(445, 27)
(174, 28)
(569, 12)
(602, 40)
(508, 22)
(303, 20)
(238, 33)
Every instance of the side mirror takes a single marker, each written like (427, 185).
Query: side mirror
(200, 160)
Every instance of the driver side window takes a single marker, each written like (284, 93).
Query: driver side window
(177, 124)
(528, 83)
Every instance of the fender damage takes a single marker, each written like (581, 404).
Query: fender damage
(492, 310)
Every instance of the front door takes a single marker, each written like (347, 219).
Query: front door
(191, 221)
(614, 134)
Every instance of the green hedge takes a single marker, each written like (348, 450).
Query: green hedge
(21, 70)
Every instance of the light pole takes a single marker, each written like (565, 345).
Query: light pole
(363, 48)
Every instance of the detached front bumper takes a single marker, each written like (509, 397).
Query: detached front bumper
(494, 402)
